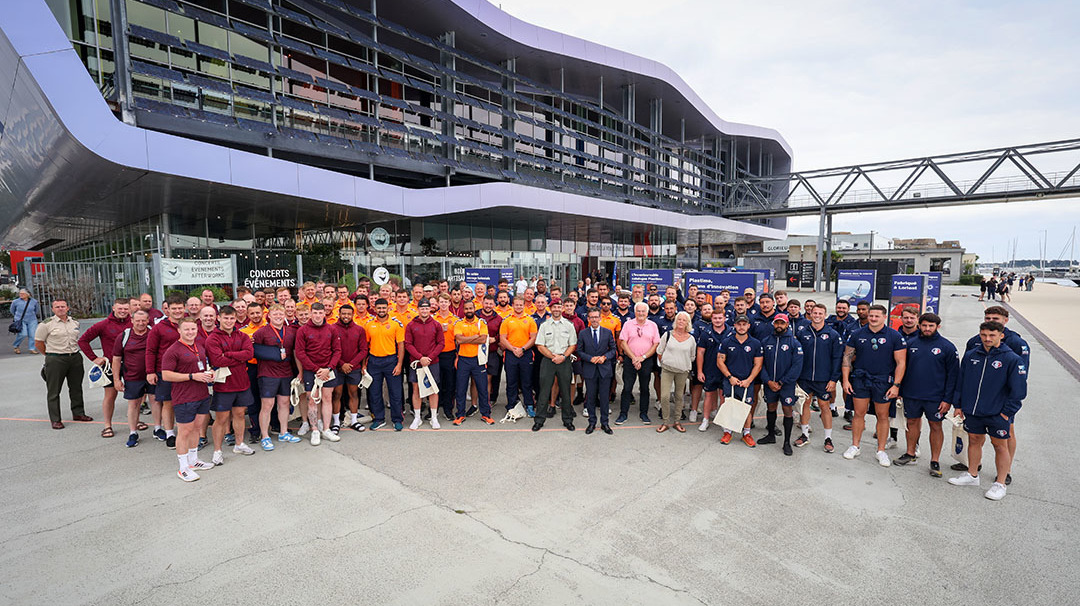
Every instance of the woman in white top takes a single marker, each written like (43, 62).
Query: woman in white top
(676, 354)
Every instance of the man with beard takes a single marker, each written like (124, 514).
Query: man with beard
(875, 360)
(386, 356)
(424, 342)
(107, 331)
(495, 354)
(739, 361)
(783, 363)
(469, 334)
(928, 387)
(354, 350)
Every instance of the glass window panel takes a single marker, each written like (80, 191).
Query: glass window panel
(146, 15)
(212, 35)
(248, 47)
(500, 238)
(182, 27)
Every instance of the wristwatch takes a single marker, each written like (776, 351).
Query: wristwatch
(190, 376)
(896, 385)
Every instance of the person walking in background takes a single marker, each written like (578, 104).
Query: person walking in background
(24, 314)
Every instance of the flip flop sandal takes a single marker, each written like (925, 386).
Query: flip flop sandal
(140, 426)
(107, 432)
(661, 429)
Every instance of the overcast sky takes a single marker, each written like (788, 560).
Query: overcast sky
(852, 82)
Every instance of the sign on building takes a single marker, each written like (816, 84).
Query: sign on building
(176, 272)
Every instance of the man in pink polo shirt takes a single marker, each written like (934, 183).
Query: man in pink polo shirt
(637, 342)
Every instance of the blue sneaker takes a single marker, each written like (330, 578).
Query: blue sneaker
(531, 411)
(133, 440)
(159, 434)
(230, 439)
(287, 437)
(377, 425)
(397, 426)
(267, 443)
(202, 443)
(620, 420)
(645, 419)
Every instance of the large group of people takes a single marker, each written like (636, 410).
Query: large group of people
(342, 358)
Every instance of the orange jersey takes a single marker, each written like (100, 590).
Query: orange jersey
(448, 321)
(384, 336)
(249, 330)
(504, 313)
(518, 329)
(611, 322)
(470, 329)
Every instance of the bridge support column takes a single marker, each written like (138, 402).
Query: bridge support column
(819, 266)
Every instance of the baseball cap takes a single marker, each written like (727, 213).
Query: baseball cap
(783, 317)
(429, 288)
(742, 319)
(555, 301)
(425, 302)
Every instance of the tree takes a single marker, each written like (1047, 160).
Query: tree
(429, 247)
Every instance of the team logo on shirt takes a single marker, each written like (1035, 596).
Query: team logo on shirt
(1021, 369)
(936, 351)
(881, 341)
(784, 347)
(996, 364)
(824, 337)
(746, 348)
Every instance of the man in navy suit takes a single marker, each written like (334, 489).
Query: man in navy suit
(596, 349)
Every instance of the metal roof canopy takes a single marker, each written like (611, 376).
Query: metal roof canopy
(1026, 172)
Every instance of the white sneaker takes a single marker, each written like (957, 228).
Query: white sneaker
(883, 459)
(417, 421)
(242, 449)
(996, 492)
(331, 436)
(964, 479)
(218, 459)
(585, 412)
(890, 444)
(187, 475)
(693, 416)
(704, 424)
(434, 420)
(304, 428)
(916, 451)
(315, 438)
(201, 465)
(852, 452)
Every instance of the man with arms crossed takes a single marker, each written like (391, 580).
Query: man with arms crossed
(227, 347)
(875, 359)
(928, 388)
(129, 368)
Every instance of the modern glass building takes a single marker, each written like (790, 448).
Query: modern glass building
(424, 135)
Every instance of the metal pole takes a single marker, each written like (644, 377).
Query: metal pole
(828, 251)
(159, 286)
(820, 250)
(870, 251)
(232, 258)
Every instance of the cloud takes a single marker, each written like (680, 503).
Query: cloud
(850, 82)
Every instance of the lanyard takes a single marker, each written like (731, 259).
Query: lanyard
(281, 336)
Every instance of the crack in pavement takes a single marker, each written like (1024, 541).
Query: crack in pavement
(249, 554)
(73, 522)
(539, 565)
(438, 501)
(646, 490)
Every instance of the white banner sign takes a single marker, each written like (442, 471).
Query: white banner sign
(196, 271)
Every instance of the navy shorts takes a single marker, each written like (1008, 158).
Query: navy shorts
(747, 393)
(867, 388)
(913, 409)
(435, 367)
(786, 395)
(135, 390)
(224, 401)
(309, 380)
(185, 413)
(352, 378)
(816, 389)
(713, 382)
(495, 363)
(163, 390)
(992, 425)
(271, 387)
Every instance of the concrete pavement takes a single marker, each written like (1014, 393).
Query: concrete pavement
(479, 515)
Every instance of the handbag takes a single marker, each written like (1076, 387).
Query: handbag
(732, 413)
(959, 439)
(16, 325)
(100, 376)
(425, 382)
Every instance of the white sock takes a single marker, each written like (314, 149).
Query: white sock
(134, 433)
(170, 433)
(157, 427)
(745, 432)
(805, 429)
(192, 456)
(182, 458)
(352, 418)
(217, 453)
(828, 434)
(833, 407)
(416, 412)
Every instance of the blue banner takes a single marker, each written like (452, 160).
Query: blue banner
(856, 285)
(489, 276)
(908, 292)
(764, 278)
(933, 291)
(712, 283)
(662, 278)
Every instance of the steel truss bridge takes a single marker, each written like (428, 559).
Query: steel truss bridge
(1007, 174)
